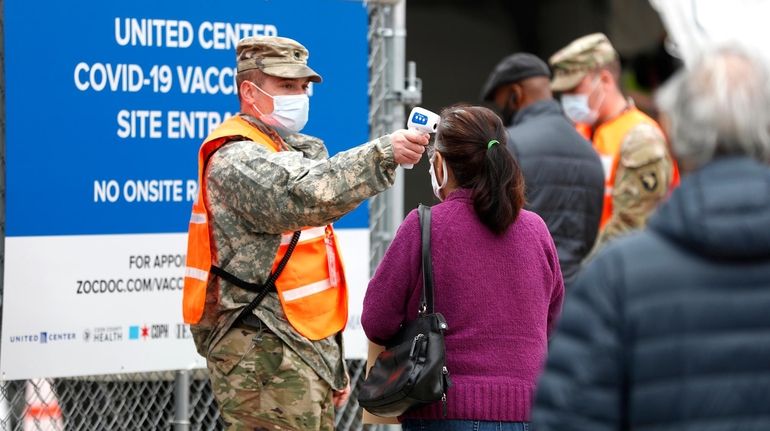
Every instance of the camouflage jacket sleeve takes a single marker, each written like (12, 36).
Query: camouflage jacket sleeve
(312, 147)
(642, 181)
(277, 192)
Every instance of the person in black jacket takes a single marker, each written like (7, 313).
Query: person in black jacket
(563, 174)
(669, 328)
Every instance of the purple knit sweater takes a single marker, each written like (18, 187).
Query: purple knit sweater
(500, 296)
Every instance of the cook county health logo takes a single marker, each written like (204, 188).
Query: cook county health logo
(44, 337)
(104, 334)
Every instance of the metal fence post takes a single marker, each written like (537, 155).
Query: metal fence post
(181, 401)
(388, 98)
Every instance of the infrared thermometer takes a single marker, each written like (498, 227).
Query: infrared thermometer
(422, 120)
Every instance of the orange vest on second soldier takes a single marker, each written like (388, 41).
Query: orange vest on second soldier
(607, 140)
(311, 288)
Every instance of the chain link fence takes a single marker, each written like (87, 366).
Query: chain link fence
(144, 401)
(378, 91)
(386, 113)
(150, 401)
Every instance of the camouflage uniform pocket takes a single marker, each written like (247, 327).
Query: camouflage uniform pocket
(238, 367)
(252, 352)
(265, 385)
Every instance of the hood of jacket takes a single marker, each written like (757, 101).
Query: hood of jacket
(721, 211)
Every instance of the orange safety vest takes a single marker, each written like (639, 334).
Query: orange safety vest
(311, 288)
(607, 140)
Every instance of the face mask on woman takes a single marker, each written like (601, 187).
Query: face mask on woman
(290, 112)
(434, 181)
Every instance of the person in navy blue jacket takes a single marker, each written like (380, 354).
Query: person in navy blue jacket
(669, 328)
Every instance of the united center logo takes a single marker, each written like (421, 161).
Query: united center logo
(44, 337)
(55, 337)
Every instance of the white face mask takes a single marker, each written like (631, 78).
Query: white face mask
(433, 181)
(289, 114)
(576, 107)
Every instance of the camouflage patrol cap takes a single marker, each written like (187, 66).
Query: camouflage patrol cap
(275, 56)
(573, 62)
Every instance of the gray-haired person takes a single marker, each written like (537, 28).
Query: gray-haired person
(668, 328)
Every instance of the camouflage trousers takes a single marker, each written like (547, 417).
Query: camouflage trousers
(261, 384)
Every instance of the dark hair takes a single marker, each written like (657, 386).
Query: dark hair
(463, 138)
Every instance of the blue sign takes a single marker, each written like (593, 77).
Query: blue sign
(106, 107)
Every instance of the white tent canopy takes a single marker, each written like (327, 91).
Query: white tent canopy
(695, 25)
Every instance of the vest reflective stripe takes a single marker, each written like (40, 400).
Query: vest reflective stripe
(607, 164)
(196, 273)
(307, 234)
(311, 288)
(607, 140)
(196, 218)
(304, 291)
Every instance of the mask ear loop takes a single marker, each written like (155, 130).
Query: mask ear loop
(254, 105)
(443, 168)
(595, 112)
(443, 164)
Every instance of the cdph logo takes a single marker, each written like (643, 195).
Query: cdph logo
(134, 332)
(159, 331)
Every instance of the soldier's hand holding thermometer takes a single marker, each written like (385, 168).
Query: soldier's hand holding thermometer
(409, 145)
(421, 120)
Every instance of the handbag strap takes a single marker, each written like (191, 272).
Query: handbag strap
(426, 300)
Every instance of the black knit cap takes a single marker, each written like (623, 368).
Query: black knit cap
(514, 68)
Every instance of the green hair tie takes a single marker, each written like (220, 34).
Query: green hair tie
(491, 143)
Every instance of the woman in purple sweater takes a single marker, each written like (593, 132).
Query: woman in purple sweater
(496, 275)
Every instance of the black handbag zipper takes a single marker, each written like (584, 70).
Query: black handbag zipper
(445, 375)
(414, 344)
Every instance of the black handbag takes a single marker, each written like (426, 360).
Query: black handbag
(412, 370)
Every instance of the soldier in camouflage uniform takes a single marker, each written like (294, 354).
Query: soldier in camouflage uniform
(639, 170)
(264, 374)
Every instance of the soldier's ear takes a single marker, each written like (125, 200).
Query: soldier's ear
(606, 77)
(247, 91)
